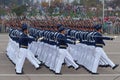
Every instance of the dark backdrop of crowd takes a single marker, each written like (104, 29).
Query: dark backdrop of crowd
(75, 14)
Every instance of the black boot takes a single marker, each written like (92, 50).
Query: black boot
(116, 65)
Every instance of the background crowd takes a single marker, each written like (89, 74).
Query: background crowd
(77, 10)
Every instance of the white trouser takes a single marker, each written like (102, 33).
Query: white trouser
(69, 61)
(34, 47)
(74, 51)
(97, 56)
(49, 55)
(83, 55)
(43, 50)
(64, 55)
(12, 50)
(89, 59)
(54, 58)
(86, 56)
(46, 52)
(25, 53)
(39, 50)
(8, 46)
(105, 58)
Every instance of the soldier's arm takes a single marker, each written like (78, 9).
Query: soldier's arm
(104, 37)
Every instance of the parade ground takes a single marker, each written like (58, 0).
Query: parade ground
(7, 69)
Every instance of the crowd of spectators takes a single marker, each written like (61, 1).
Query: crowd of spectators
(111, 25)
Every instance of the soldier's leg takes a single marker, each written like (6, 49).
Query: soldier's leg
(105, 57)
(31, 58)
(60, 60)
(20, 60)
(69, 60)
(97, 60)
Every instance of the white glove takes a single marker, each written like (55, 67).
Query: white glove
(39, 39)
(77, 41)
(115, 37)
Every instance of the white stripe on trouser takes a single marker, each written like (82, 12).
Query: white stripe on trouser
(102, 62)
(25, 53)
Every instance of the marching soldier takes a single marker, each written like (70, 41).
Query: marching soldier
(99, 43)
(64, 54)
(25, 52)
